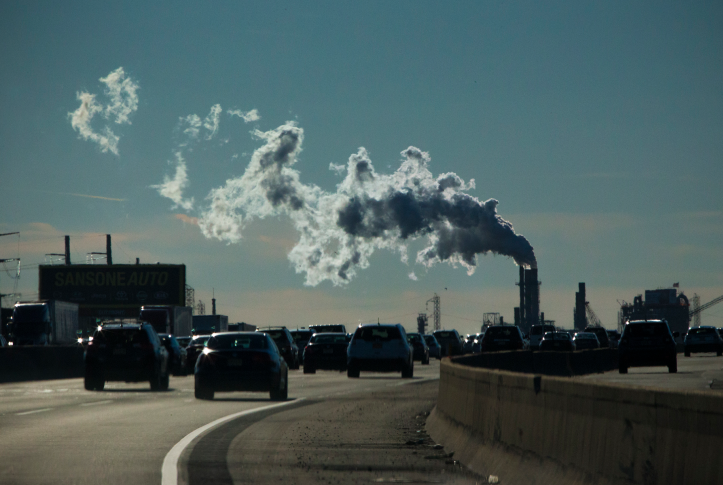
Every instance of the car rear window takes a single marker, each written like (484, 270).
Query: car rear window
(430, 340)
(121, 336)
(581, 336)
(700, 331)
(502, 332)
(327, 328)
(541, 329)
(277, 335)
(224, 342)
(329, 339)
(646, 330)
(414, 337)
(374, 334)
(200, 340)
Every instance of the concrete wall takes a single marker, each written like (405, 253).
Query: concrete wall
(591, 432)
(546, 363)
(40, 363)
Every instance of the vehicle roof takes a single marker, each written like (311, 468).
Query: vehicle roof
(119, 326)
(703, 326)
(272, 327)
(330, 333)
(635, 322)
(379, 325)
(585, 335)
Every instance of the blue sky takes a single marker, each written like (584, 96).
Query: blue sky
(596, 125)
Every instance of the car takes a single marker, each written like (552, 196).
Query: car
(703, 339)
(450, 342)
(129, 352)
(328, 328)
(586, 340)
(600, 333)
(434, 347)
(536, 334)
(3, 342)
(183, 341)
(420, 350)
(285, 343)
(647, 343)
(380, 347)
(467, 343)
(241, 361)
(301, 339)
(177, 354)
(614, 338)
(502, 337)
(326, 351)
(194, 349)
(477, 343)
(557, 341)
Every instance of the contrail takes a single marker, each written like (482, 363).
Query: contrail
(86, 195)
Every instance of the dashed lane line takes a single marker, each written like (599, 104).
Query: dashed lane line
(33, 412)
(96, 402)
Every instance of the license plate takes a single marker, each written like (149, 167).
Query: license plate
(119, 351)
(235, 362)
(556, 344)
(328, 351)
(376, 346)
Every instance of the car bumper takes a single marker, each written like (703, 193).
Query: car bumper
(237, 380)
(646, 357)
(334, 362)
(703, 347)
(379, 365)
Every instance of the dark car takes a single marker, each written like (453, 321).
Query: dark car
(647, 343)
(334, 328)
(420, 350)
(585, 341)
(450, 342)
(601, 334)
(380, 348)
(301, 338)
(241, 361)
(183, 341)
(614, 338)
(703, 339)
(194, 349)
(177, 355)
(557, 341)
(502, 337)
(285, 342)
(128, 353)
(434, 348)
(326, 351)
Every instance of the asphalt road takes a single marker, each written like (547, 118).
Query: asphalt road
(702, 372)
(332, 428)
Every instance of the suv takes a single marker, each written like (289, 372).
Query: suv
(703, 339)
(449, 341)
(176, 353)
(558, 341)
(301, 339)
(502, 337)
(285, 342)
(381, 348)
(536, 334)
(327, 328)
(647, 343)
(601, 334)
(126, 352)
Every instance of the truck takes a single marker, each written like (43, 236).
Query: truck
(208, 324)
(176, 320)
(44, 322)
(241, 327)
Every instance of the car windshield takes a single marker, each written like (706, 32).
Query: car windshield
(583, 336)
(646, 330)
(541, 329)
(701, 331)
(556, 336)
(414, 337)
(279, 336)
(329, 339)
(235, 341)
(430, 340)
(120, 336)
(502, 332)
(200, 340)
(378, 333)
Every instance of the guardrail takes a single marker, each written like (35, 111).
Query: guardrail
(30, 363)
(510, 424)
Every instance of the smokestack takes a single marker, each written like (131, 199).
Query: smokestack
(213, 306)
(534, 318)
(109, 256)
(67, 250)
(580, 318)
(502, 320)
(523, 321)
(138, 260)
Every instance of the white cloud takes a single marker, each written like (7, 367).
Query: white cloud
(412, 276)
(247, 116)
(172, 187)
(212, 120)
(123, 101)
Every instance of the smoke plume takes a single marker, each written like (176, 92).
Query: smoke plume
(339, 231)
(122, 101)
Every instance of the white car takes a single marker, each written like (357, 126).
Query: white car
(380, 348)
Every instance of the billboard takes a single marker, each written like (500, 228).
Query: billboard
(113, 290)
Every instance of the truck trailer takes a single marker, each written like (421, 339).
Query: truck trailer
(44, 322)
(208, 324)
(176, 320)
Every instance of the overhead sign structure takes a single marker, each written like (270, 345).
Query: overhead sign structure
(114, 290)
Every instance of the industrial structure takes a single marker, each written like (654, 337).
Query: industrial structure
(528, 313)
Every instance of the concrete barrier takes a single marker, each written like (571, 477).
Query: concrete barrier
(546, 363)
(539, 429)
(21, 363)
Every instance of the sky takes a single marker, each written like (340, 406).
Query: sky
(323, 162)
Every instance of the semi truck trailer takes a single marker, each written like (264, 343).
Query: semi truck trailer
(208, 324)
(176, 320)
(44, 322)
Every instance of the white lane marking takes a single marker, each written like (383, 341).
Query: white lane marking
(96, 402)
(169, 471)
(33, 412)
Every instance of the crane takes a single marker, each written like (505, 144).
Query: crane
(695, 312)
(592, 319)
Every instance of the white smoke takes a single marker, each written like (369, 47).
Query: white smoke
(248, 116)
(122, 102)
(339, 231)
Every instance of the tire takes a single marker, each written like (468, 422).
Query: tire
(280, 394)
(352, 372)
(93, 380)
(426, 361)
(165, 381)
(309, 369)
(719, 353)
(155, 381)
(201, 392)
(673, 367)
(408, 373)
(297, 365)
(623, 370)
(687, 353)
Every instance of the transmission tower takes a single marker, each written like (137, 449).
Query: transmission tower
(200, 308)
(436, 313)
(696, 310)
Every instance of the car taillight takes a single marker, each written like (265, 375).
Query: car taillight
(260, 357)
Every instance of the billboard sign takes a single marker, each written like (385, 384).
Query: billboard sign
(109, 289)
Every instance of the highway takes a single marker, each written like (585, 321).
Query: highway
(332, 428)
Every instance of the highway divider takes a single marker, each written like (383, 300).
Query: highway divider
(31, 363)
(564, 430)
(546, 363)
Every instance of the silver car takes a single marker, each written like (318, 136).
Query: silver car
(380, 348)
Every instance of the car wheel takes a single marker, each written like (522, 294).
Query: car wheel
(155, 381)
(408, 373)
(719, 353)
(352, 371)
(623, 369)
(280, 394)
(687, 353)
(673, 367)
(165, 381)
(309, 369)
(426, 361)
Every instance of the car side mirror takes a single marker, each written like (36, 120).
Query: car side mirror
(676, 334)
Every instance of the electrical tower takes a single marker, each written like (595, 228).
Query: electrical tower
(490, 319)
(437, 312)
(200, 308)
